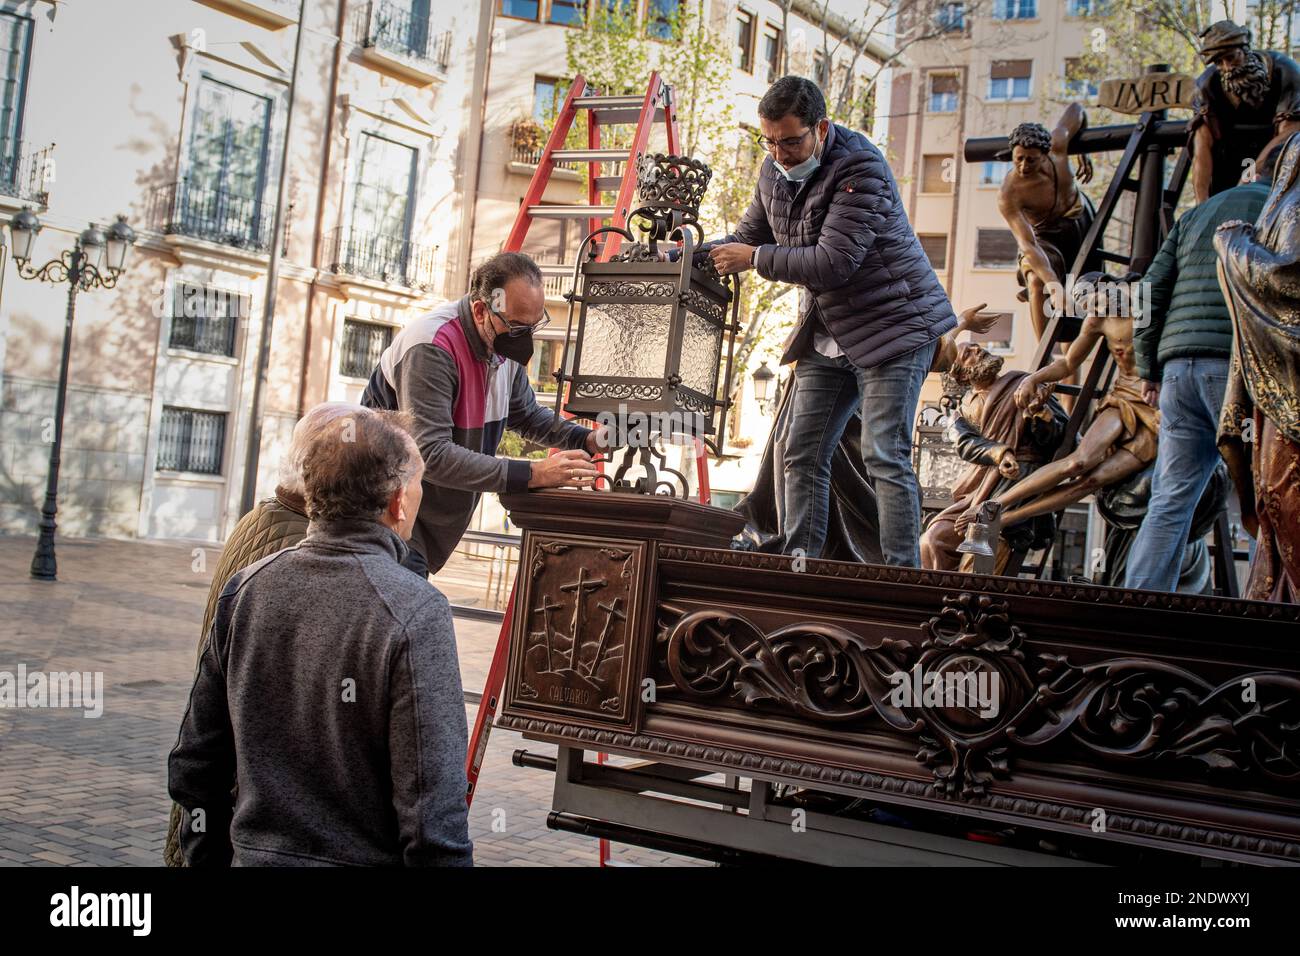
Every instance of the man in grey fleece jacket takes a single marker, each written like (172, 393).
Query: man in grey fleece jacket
(330, 688)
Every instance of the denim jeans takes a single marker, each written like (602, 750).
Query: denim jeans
(1191, 397)
(829, 390)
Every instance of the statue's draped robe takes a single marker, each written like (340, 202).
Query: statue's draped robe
(1260, 423)
(852, 529)
(1001, 424)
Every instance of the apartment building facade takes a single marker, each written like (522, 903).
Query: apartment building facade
(402, 174)
(185, 135)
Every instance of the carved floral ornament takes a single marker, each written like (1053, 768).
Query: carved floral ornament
(967, 695)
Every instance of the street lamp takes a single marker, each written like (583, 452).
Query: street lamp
(653, 333)
(83, 267)
(764, 378)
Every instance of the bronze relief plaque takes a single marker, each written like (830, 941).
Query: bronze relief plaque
(575, 646)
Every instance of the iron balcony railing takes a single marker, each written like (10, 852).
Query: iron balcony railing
(216, 215)
(24, 173)
(392, 26)
(384, 258)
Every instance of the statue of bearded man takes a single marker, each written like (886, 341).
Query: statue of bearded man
(1246, 102)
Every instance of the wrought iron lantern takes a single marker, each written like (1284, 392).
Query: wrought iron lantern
(653, 335)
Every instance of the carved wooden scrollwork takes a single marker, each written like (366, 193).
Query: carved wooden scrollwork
(966, 693)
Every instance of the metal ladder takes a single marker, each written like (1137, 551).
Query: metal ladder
(644, 111)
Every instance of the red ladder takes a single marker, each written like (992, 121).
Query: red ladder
(644, 111)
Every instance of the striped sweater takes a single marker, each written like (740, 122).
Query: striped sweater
(462, 397)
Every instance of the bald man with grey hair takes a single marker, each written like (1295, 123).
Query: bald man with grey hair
(274, 524)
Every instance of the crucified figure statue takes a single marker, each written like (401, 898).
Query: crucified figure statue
(1122, 438)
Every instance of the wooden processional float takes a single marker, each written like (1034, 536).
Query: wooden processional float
(835, 712)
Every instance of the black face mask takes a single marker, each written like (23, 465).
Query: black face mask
(517, 348)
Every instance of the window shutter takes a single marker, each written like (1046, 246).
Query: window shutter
(995, 248)
(936, 248)
(943, 83)
(932, 174)
(1010, 69)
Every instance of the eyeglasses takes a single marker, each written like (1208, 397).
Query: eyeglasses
(513, 329)
(789, 143)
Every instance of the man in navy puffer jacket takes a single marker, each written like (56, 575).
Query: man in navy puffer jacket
(827, 216)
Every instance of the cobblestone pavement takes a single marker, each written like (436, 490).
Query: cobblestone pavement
(77, 791)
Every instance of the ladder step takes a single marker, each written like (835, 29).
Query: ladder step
(1113, 257)
(604, 183)
(1132, 185)
(553, 270)
(1067, 389)
(590, 155)
(570, 212)
(611, 110)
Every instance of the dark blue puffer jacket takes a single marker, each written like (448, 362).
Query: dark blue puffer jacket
(843, 235)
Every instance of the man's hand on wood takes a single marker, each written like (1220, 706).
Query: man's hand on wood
(565, 469)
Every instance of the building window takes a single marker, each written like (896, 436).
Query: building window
(548, 94)
(382, 197)
(1087, 8)
(951, 17)
(521, 9)
(772, 52)
(206, 319)
(1077, 84)
(1009, 79)
(821, 75)
(995, 249)
(743, 55)
(1015, 9)
(569, 13)
(943, 93)
(937, 173)
(401, 26)
(997, 338)
(659, 18)
(191, 440)
(993, 172)
(363, 343)
(15, 44)
(936, 249)
(221, 198)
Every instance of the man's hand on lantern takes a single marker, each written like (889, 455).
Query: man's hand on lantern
(565, 469)
(731, 257)
(599, 440)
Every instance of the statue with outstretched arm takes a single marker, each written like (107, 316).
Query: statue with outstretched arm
(1046, 211)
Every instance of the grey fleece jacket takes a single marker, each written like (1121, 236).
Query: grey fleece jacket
(462, 397)
(330, 691)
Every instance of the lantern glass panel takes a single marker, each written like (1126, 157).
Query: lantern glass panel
(625, 340)
(701, 351)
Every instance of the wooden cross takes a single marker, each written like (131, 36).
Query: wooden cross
(545, 609)
(614, 614)
(580, 588)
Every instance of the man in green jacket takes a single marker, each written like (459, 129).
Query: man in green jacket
(1182, 342)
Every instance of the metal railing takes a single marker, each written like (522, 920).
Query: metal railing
(216, 215)
(392, 26)
(390, 259)
(363, 343)
(24, 173)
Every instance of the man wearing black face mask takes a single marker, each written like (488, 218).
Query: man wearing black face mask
(460, 371)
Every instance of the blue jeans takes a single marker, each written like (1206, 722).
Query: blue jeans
(829, 391)
(1191, 397)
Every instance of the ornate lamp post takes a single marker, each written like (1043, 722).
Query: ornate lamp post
(764, 380)
(652, 333)
(95, 261)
